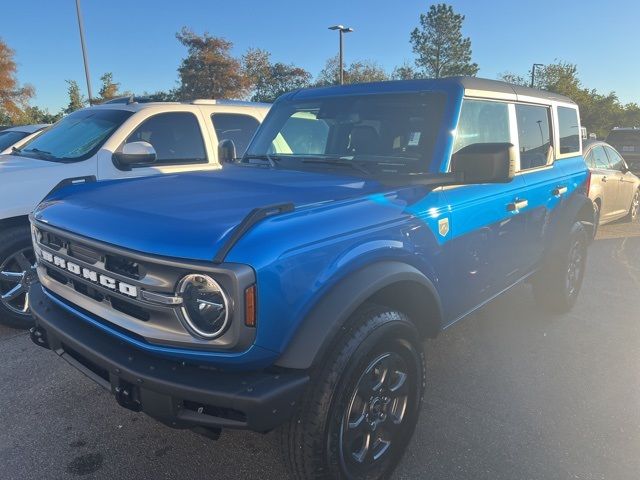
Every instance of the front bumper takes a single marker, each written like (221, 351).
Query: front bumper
(178, 394)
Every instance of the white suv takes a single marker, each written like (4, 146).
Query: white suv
(105, 142)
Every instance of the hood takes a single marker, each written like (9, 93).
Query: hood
(25, 181)
(187, 215)
(14, 163)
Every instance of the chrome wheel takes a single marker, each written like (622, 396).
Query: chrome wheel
(575, 267)
(375, 414)
(17, 272)
(635, 206)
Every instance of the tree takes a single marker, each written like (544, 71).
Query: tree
(76, 100)
(33, 115)
(109, 88)
(438, 42)
(270, 80)
(359, 71)
(13, 97)
(162, 96)
(404, 72)
(599, 113)
(209, 70)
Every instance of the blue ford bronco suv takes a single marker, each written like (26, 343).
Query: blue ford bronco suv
(294, 287)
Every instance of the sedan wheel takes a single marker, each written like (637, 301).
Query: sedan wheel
(634, 210)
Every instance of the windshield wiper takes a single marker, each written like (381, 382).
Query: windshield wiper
(338, 162)
(39, 152)
(269, 158)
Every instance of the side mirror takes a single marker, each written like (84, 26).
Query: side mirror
(485, 163)
(226, 151)
(135, 154)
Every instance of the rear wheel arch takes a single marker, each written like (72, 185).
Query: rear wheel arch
(587, 216)
(392, 284)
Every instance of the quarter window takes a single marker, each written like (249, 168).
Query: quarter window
(482, 122)
(237, 127)
(569, 130)
(534, 135)
(175, 136)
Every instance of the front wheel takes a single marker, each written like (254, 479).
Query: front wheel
(557, 284)
(634, 209)
(359, 413)
(17, 272)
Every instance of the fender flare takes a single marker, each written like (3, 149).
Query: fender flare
(579, 209)
(332, 311)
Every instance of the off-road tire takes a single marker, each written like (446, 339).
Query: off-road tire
(557, 285)
(311, 440)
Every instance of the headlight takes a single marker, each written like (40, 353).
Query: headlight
(205, 306)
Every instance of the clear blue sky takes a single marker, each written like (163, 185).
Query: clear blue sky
(135, 39)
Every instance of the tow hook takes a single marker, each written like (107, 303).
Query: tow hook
(126, 396)
(39, 337)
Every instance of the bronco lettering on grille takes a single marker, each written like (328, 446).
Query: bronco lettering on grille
(87, 274)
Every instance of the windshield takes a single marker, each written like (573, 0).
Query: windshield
(9, 138)
(381, 133)
(76, 137)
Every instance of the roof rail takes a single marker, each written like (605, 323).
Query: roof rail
(217, 101)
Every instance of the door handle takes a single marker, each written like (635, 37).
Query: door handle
(517, 205)
(604, 179)
(558, 191)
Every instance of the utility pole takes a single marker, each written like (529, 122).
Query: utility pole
(342, 30)
(84, 52)
(533, 72)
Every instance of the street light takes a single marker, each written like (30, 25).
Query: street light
(84, 51)
(533, 72)
(342, 29)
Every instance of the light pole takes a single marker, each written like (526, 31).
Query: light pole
(342, 29)
(84, 52)
(533, 72)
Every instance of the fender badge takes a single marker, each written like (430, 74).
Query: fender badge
(443, 227)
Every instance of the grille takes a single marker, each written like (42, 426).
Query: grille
(99, 264)
(123, 266)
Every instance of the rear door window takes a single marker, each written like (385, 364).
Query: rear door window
(175, 136)
(616, 161)
(534, 135)
(569, 128)
(237, 127)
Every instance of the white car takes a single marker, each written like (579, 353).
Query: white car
(105, 142)
(17, 136)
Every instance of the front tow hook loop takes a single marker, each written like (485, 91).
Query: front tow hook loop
(126, 396)
(39, 337)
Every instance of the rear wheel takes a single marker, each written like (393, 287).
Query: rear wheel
(634, 209)
(557, 285)
(17, 272)
(359, 413)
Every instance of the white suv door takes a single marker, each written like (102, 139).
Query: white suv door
(178, 140)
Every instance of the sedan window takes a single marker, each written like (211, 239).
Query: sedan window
(600, 159)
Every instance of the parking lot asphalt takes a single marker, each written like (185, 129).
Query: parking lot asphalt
(513, 393)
